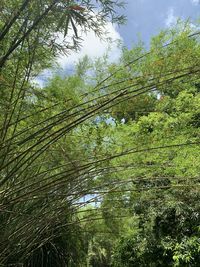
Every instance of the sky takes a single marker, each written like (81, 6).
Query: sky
(145, 18)
(148, 17)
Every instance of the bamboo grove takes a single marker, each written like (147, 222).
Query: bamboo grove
(80, 157)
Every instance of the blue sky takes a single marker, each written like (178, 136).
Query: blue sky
(145, 18)
(148, 17)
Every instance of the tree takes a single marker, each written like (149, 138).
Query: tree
(37, 169)
(164, 177)
(58, 147)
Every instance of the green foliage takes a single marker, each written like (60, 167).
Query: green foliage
(79, 187)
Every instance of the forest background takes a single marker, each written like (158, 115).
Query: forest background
(100, 167)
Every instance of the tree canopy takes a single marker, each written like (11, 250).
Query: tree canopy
(101, 167)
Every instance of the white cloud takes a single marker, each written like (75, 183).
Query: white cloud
(171, 18)
(93, 47)
(195, 2)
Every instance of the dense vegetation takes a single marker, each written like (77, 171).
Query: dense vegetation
(100, 167)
